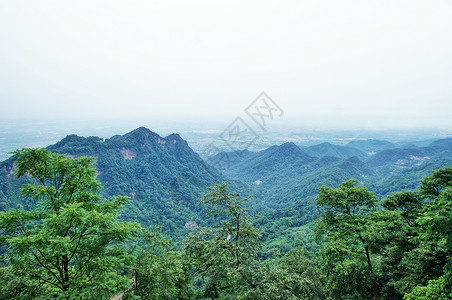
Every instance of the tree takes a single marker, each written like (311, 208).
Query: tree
(224, 253)
(409, 203)
(436, 222)
(72, 242)
(305, 273)
(160, 272)
(348, 227)
(400, 263)
(433, 185)
(415, 257)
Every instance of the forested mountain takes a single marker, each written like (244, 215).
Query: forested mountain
(371, 145)
(442, 142)
(407, 157)
(288, 158)
(327, 149)
(163, 176)
(287, 166)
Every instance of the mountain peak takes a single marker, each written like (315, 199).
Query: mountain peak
(139, 136)
(371, 145)
(289, 145)
(73, 141)
(143, 130)
(288, 149)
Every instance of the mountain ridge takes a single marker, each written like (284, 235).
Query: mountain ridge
(163, 176)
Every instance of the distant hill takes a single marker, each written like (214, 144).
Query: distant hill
(286, 173)
(408, 157)
(442, 142)
(327, 149)
(288, 158)
(371, 145)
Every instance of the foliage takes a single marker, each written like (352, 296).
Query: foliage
(223, 254)
(436, 289)
(302, 265)
(71, 243)
(436, 221)
(348, 226)
(407, 244)
(161, 272)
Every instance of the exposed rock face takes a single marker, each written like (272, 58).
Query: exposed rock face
(190, 225)
(127, 154)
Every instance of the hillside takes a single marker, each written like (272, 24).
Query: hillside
(163, 176)
(408, 157)
(287, 174)
(371, 145)
(327, 149)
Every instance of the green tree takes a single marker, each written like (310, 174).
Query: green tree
(161, 272)
(305, 272)
(348, 226)
(72, 242)
(436, 222)
(433, 185)
(404, 206)
(414, 257)
(224, 254)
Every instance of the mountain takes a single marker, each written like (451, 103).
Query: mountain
(408, 157)
(442, 142)
(404, 178)
(327, 149)
(371, 145)
(163, 176)
(141, 154)
(268, 165)
(286, 173)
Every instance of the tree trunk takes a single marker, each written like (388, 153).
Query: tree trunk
(65, 273)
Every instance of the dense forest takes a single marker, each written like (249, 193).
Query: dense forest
(141, 216)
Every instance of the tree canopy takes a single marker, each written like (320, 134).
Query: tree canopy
(72, 243)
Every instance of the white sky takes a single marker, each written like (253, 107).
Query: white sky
(351, 61)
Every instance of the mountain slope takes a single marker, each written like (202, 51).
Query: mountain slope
(327, 149)
(163, 176)
(442, 142)
(285, 174)
(408, 157)
(371, 145)
(269, 164)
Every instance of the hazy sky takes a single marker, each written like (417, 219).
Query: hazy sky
(375, 62)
